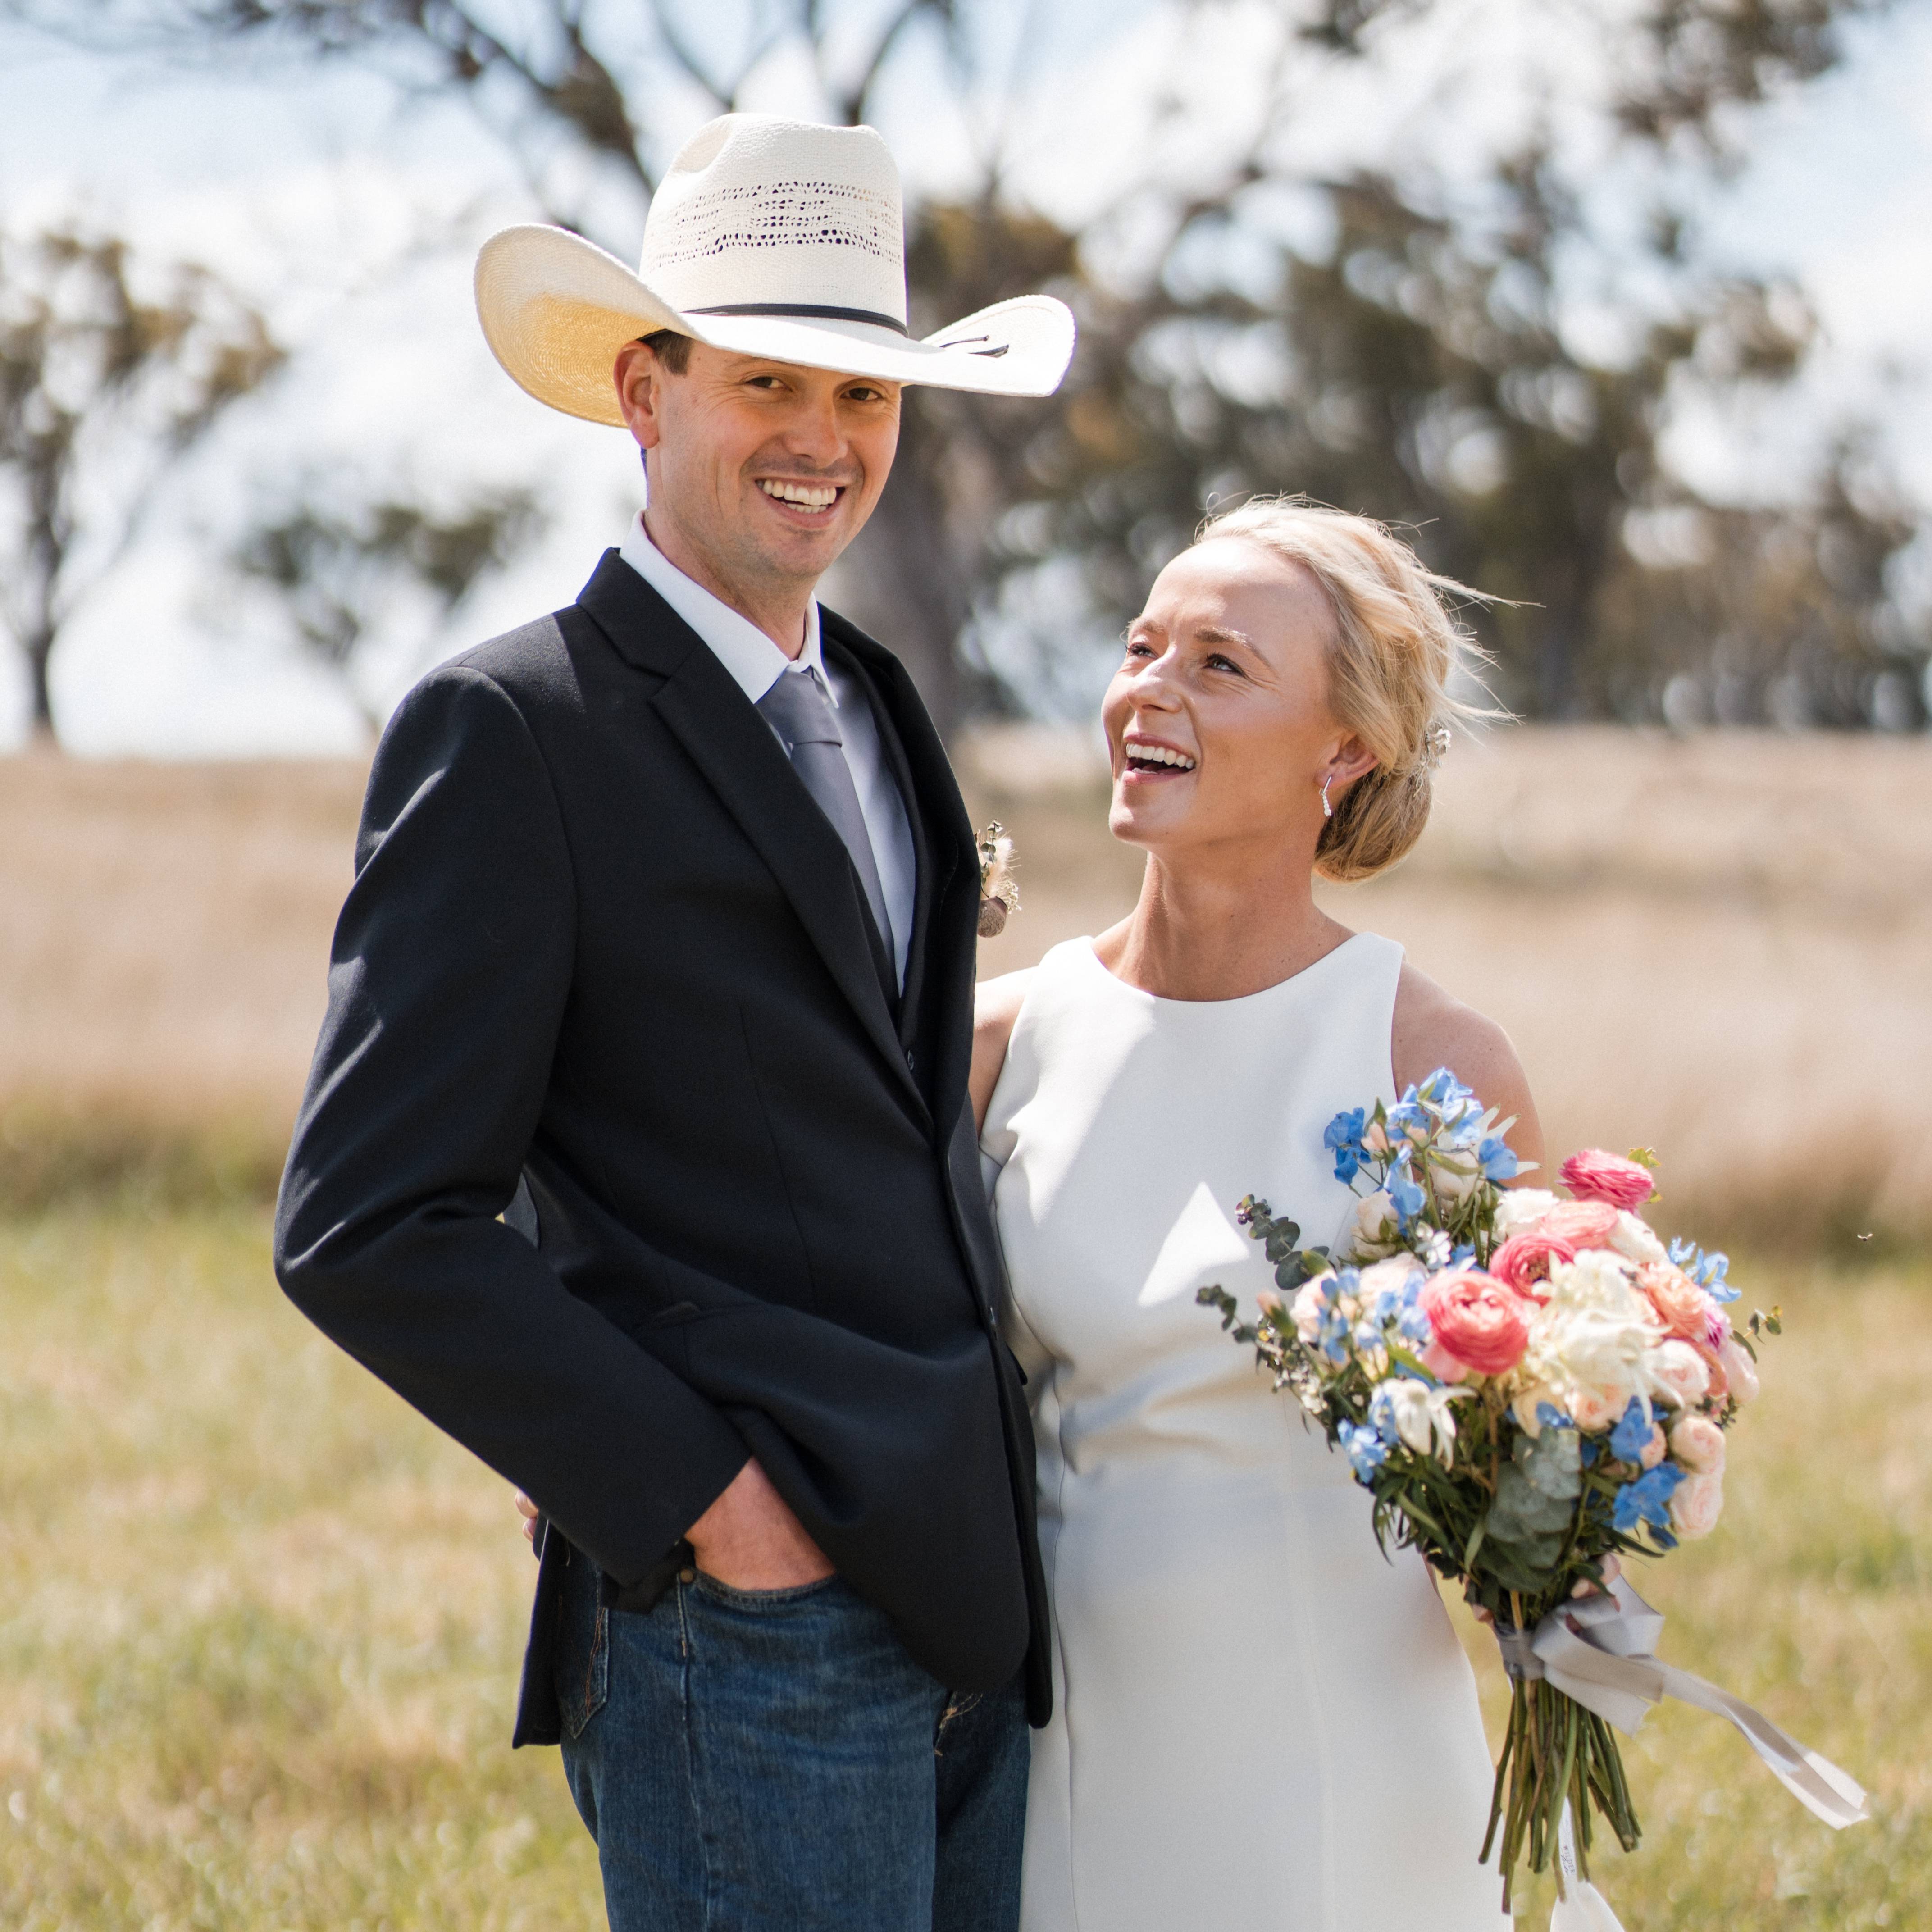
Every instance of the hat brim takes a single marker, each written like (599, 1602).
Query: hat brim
(556, 309)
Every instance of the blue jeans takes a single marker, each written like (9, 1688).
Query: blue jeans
(773, 1761)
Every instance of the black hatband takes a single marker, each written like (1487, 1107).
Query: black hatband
(807, 311)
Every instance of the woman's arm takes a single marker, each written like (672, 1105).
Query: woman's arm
(1433, 1030)
(996, 1005)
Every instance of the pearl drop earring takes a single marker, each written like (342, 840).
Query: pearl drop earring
(1327, 810)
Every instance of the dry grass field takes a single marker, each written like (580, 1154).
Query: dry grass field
(258, 1625)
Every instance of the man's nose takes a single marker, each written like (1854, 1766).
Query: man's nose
(813, 432)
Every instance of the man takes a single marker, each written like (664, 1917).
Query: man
(661, 949)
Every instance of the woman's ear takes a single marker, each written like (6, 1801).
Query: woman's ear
(1348, 760)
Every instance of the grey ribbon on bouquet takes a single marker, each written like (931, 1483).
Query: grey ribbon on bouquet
(1601, 1650)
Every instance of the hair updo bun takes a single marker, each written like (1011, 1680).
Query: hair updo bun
(1394, 651)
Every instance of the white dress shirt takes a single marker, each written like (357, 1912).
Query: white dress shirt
(757, 663)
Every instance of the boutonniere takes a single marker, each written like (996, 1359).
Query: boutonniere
(999, 891)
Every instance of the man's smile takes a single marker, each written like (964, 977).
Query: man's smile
(810, 503)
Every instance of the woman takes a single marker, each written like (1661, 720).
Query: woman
(1260, 1724)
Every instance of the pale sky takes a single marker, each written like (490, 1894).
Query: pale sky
(289, 183)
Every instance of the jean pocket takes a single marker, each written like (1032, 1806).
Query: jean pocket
(727, 1594)
(583, 1655)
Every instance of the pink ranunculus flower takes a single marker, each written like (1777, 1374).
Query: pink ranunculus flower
(1522, 1262)
(1717, 1326)
(1698, 1443)
(1695, 1504)
(1443, 1366)
(1594, 1175)
(1583, 1224)
(1654, 1451)
(1477, 1320)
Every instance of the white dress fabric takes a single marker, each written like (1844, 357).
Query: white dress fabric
(1260, 1724)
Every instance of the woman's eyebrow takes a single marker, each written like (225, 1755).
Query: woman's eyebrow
(1212, 633)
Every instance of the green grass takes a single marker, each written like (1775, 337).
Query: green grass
(260, 1626)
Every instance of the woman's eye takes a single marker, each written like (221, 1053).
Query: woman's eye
(1135, 649)
(1215, 662)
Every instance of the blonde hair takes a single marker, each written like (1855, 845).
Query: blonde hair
(1393, 650)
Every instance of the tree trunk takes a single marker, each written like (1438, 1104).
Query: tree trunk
(39, 650)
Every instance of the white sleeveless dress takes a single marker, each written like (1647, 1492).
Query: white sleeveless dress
(1260, 1725)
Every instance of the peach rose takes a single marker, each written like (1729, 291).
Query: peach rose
(1594, 1175)
(1681, 1306)
(1740, 1371)
(1695, 1504)
(1477, 1320)
(1698, 1443)
(1522, 1262)
(1583, 1224)
(1678, 1374)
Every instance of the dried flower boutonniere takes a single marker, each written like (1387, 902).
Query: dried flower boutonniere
(999, 891)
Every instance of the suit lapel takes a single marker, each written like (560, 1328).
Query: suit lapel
(731, 745)
(926, 859)
(946, 923)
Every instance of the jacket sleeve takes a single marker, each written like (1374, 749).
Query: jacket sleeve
(449, 976)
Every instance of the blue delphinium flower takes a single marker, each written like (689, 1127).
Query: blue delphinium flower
(1405, 1195)
(1499, 1163)
(1648, 1499)
(1708, 1271)
(1367, 1450)
(1444, 1090)
(1342, 1137)
(1549, 1416)
(1631, 1436)
(1334, 1335)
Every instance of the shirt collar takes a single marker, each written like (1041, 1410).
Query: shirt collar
(755, 663)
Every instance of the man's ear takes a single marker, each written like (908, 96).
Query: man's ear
(640, 377)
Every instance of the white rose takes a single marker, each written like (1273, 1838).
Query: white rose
(1696, 1504)
(1675, 1372)
(1698, 1443)
(1372, 1231)
(1518, 1206)
(1634, 1240)
(1740, 1371)
(1456, 1175)
(1393, 1274)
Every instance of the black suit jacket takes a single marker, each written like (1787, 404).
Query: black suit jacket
(602, 942)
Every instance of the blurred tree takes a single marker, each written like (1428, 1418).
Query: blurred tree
(341, 578)
(110, 373)
(1423, 366)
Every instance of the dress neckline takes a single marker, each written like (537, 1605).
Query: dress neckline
(1084, 947)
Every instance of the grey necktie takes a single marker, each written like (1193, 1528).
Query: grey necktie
(799, 710)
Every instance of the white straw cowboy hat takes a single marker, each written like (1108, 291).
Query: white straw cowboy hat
(768, 237)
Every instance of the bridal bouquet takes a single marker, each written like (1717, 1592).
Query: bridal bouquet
(1526, 1384)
